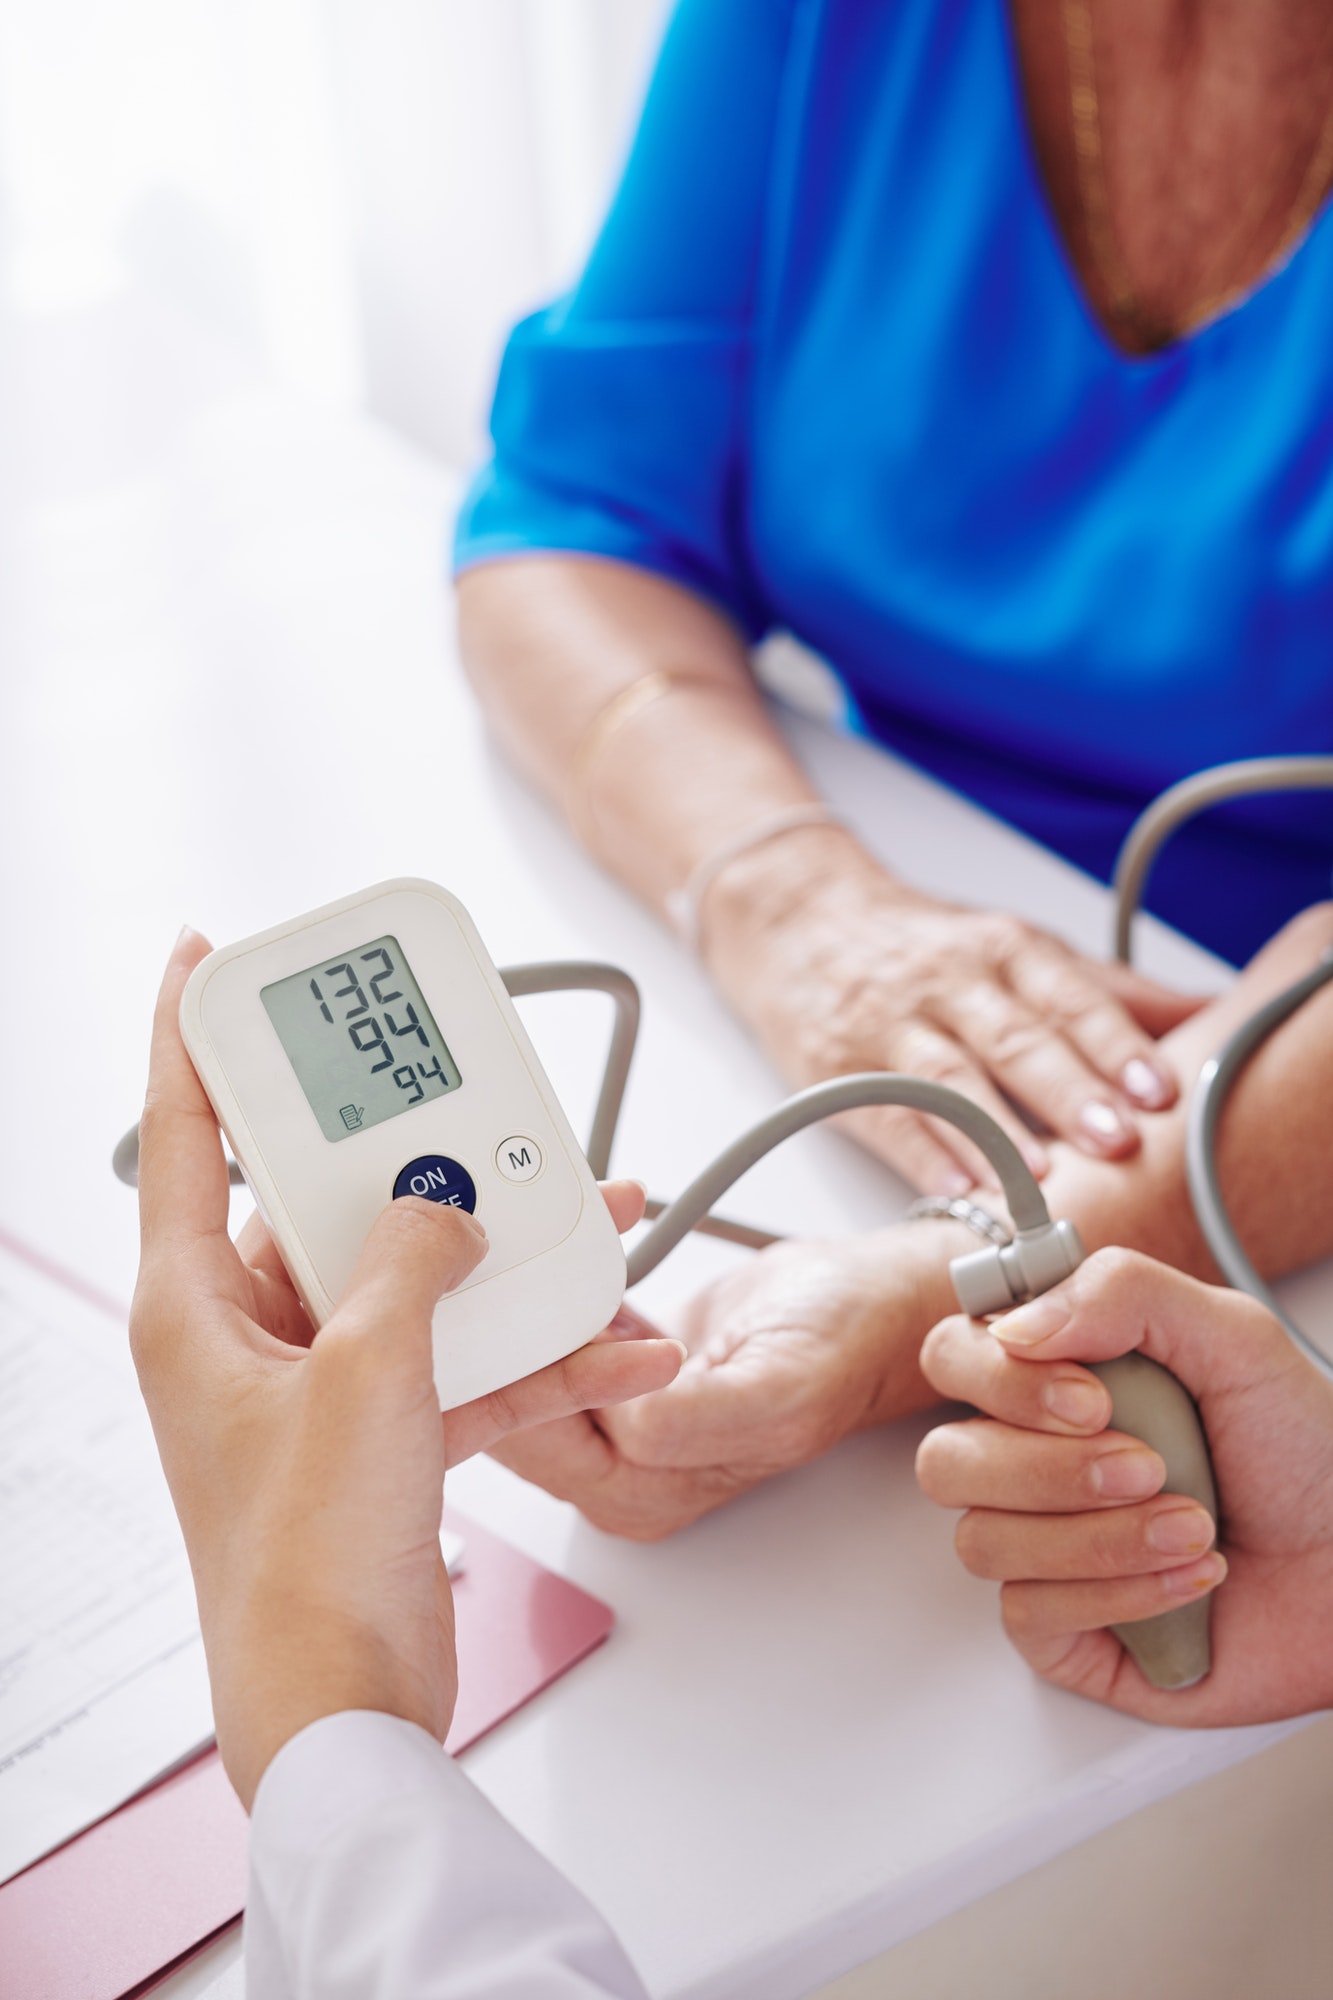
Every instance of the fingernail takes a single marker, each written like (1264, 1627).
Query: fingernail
(1104, 1128)
(955, 1184)
(1191, 1578)
(1032, 1323)
(1082, 1404)
(1038, 1160)
(1128, 1475)
(1146, 1085)
(1180, 1531)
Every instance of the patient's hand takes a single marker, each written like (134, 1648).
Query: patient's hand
(808, 1342)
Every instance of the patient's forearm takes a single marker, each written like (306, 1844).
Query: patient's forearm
(1276, 1172)
(550, 640)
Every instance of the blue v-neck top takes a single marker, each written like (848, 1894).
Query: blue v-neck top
(830, 366)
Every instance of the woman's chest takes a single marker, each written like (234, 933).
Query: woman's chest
(942, 440)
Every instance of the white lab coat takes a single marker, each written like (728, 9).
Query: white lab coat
(378, 1872)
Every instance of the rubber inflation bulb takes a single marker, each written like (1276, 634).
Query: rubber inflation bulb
(1173, 1649)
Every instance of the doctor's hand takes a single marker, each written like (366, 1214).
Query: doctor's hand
(307, 1469)
(801, 1345)
(840, 968)
(1072, 1520)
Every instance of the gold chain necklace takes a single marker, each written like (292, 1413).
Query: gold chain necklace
(1122, 299)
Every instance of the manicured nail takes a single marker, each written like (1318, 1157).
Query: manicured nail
(1104, 1130)
(1128, 1475)
(956, 1183)
(1191, 1578)
(1033, 1322)
(1038, 1159)
(1180, 1531)
(1146, 1085)
(1085, 1405)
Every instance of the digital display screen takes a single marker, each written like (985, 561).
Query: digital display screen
(361, 1038)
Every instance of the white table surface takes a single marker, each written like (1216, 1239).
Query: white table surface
(229, 693)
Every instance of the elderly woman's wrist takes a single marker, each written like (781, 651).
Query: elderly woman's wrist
(913, 1258)
(763, 898)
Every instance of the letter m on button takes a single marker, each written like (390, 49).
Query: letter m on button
(520, 1159)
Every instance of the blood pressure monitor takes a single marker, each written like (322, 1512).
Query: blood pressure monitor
(369, 1050)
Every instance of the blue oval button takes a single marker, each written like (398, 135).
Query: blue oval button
(436, 1178)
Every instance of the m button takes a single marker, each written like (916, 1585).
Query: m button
(518, 1158)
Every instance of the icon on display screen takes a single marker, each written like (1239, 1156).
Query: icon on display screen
(361, 1038)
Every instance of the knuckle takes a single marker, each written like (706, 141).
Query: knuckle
(1016, 1038)
(1102, 1553)
(934, 1464)
(1002, 937)
(1076, 1003)
(1018, 1608)
(1112, 1269)
(974, 1544)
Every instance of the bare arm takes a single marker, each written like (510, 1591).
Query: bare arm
(836, 964)
(548, 641)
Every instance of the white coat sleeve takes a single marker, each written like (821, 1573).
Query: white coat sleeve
(379, 1872)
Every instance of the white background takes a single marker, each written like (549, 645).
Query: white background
(356, 198)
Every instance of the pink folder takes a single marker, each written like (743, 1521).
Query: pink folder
(111, 1912)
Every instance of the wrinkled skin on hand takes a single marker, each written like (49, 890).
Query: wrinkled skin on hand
(849, 970)
(789, 1353)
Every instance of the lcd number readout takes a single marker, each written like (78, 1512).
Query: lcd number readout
(360, 1037)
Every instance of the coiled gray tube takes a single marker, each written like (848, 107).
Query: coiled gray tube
(1216, 1078)
(1026, 1202)
(589, 975)
(1249, 777)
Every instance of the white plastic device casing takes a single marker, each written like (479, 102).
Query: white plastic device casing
(554, 1272)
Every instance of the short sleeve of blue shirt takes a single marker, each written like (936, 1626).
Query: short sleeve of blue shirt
(830, 367)
(618, 420)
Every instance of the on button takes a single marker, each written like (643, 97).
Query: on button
(518, 1158)
(435, 1177)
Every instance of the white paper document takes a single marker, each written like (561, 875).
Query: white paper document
(102, 1679)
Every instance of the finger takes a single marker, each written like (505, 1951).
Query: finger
(979, 1463)
(1065, 991)
(1037, 1614)
(416, 1251)
(1115, 1542)
(1026, 1052)
(183, 1189)
(277, 1306)
(962, 1360)
(910, 1145)
(626, 1201)
(1155, 1007)
(574, 1461)
(926, 1049)
(750, 1408)
(1217, 1342)
(595, 1376)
